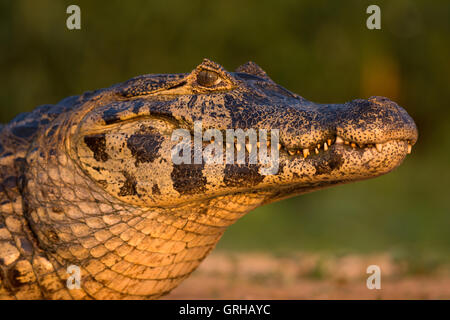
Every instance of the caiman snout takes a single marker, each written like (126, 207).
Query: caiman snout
(360, 139)
(375, 120)
(361, 122)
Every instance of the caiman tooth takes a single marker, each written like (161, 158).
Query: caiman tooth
(279, 146)
(353, 145)
(409, 148)
(248, 146)
(318, 146)
(339, 140)
(329, 142)
(325, 146)
(238, 147)
(305, 153)
(316, 151)
(346, 142)
(379, 147)
(291, 152)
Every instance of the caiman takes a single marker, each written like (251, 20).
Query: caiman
(89, 182)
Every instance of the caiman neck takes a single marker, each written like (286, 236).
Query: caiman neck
(24, 268)
(123, 251)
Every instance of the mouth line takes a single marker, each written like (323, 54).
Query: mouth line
(319, 148)
(324, 146)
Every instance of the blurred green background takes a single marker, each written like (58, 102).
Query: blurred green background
(321, 50)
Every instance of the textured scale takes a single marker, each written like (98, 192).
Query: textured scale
(90, 182)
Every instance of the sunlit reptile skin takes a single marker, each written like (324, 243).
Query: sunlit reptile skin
(90, 181)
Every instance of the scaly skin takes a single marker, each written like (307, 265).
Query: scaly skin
(90, 181)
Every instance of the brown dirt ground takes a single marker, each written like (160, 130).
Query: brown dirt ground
(308, 276)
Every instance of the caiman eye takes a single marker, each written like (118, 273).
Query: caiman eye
(208, 78)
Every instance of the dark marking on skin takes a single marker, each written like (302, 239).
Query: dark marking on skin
(56, 209)
(242, 175)
(129, 186)
(137, 106)
(26, 246)
(21, 165)
(104, 183)
(296, 175)
(97, 144)
(45, 121)
(52, 235)
(14, 278)
(144, 146)
(25, 130)
(333, 161)
(155, 189)
(110, 116)
(47, 237)
(191, 102)
(281, 166)
(260, 99)
(98, 169)
(188, 178)
(52, 131)
(10, 182)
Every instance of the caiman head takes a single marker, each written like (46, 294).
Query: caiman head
(126, 144)
(107, 163)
